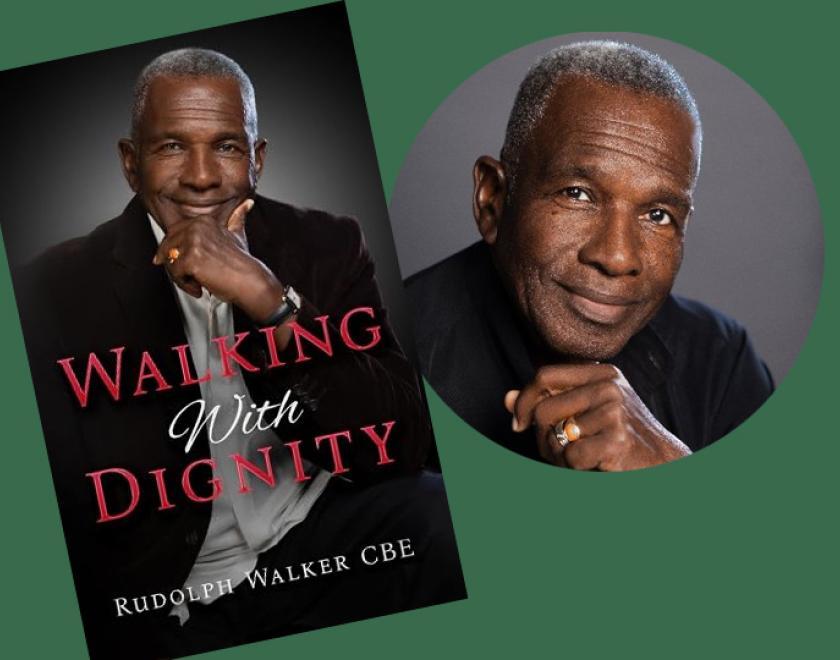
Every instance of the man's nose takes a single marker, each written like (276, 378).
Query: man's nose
(614, 247)
(201, 169)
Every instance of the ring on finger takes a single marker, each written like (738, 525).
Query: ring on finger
(172, 255)
(571, 428)
(566, 431)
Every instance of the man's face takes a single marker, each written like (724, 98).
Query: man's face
(592, 238)
(191, 155)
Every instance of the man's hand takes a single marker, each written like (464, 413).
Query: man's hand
(618, 432)
(199, 252)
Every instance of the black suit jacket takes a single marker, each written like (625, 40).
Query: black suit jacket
(92, 294)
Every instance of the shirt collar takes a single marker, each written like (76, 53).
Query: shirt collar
(156, 228)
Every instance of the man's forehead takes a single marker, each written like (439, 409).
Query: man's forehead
(175, 91)
(589, 113)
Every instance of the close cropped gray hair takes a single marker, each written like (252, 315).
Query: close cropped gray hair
(610, 62)
(194, 63)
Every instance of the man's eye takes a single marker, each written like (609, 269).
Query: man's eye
(227, 147)
(576, 193)
(170, 146)
(660, 217)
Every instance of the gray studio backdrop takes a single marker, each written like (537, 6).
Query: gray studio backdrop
(62, 177)
(754, 243)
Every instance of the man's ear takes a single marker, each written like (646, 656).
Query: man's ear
(490, 190)
(259, 157)
(129, 162)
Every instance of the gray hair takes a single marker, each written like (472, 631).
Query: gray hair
(194, 63)
(610, 62)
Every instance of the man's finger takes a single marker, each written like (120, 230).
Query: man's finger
(180, 236)
(181, 272)
(551, 410)
(550, 450)
(172, 238)
(236, 221)
(510, 400)
(596, 442)
(553, 380)
(166, 252)
(594, 421)
(189, 286)
(588, 453)
(171, 241)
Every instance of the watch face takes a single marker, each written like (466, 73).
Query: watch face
(293, 298)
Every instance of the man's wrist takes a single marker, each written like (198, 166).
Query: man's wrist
(288, 308)
(674, 448)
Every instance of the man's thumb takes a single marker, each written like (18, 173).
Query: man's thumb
(236, 221)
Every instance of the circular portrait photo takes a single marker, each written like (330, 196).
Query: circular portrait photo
(612, 248)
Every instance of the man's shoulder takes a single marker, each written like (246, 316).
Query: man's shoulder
(707, 346)
(314, 229)
(717, 377)
(323, 255)
(450, 288)
(74, 260)
(682, 319)
(463, 265)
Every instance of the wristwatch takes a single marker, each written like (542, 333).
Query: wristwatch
(289, 306)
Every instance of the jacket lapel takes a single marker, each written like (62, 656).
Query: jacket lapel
(148, 304)
(143, 290)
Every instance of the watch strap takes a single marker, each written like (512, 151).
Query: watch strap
(289, 306)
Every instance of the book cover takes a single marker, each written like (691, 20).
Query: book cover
(239, 445)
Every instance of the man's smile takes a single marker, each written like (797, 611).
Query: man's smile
(598, 306)
(191, 208)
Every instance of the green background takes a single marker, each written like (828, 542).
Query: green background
(729, 552)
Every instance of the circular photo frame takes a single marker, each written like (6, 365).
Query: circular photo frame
(613, 250)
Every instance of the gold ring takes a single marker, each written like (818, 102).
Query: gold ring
(173, 255)
(566, 431)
